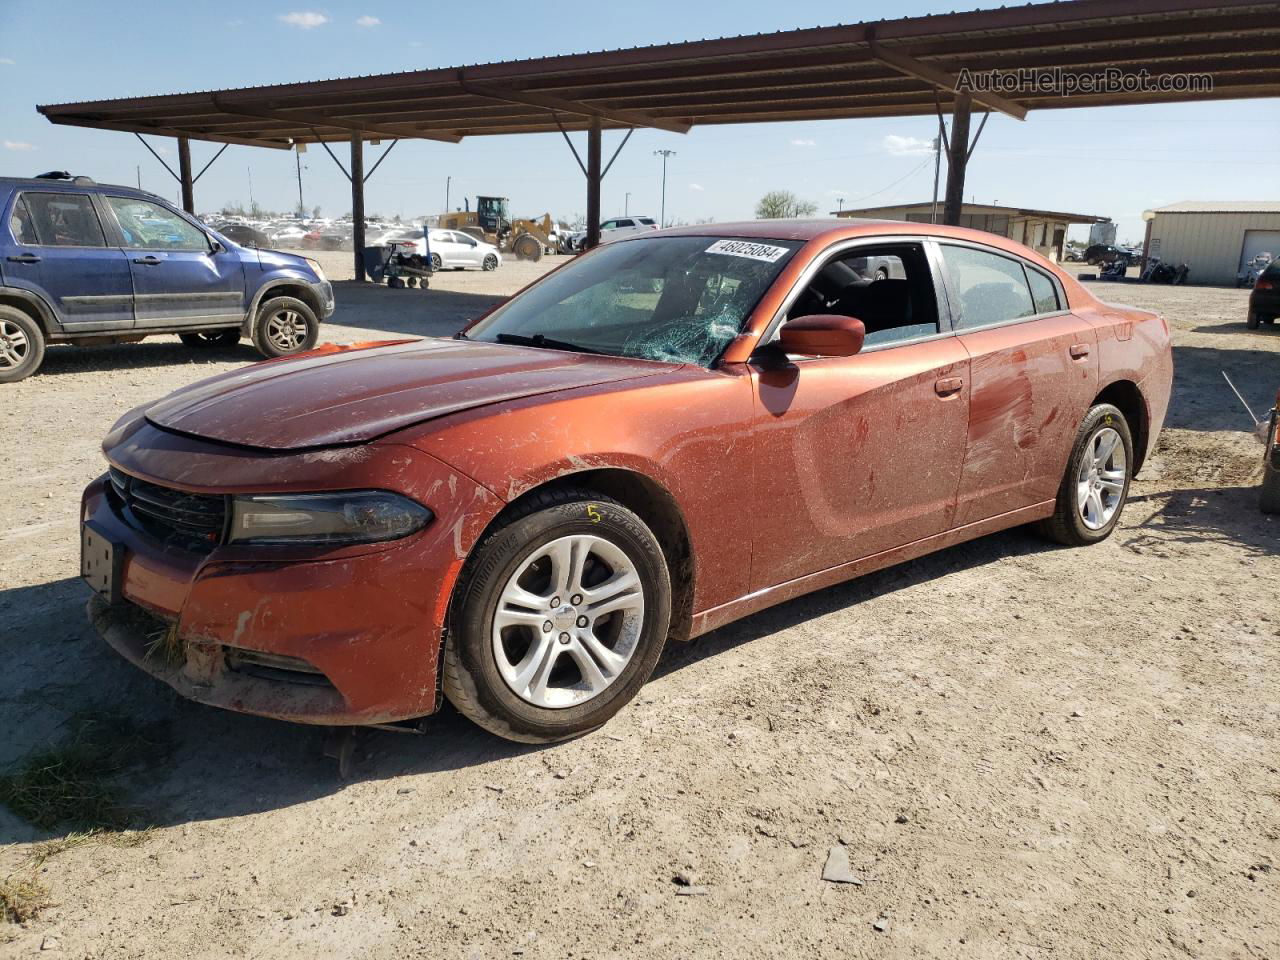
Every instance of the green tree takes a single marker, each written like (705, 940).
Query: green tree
(781, 204)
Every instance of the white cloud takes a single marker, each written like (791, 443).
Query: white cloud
(367, 21)
(907, 146)
(837, 193)
(804, 143)
(697, 186)
(18, 145)
(8, 62)
(303, 19)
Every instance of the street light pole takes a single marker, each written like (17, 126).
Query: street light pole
(447, 182)
(662, 217)
(626, 203)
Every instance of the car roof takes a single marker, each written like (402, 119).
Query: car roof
(72, 186)
(831, 229)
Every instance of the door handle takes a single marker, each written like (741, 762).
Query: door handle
(24, 258)
(148, 261)
(1079, 351)
(948, 386)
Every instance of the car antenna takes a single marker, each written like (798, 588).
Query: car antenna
(1247, 408)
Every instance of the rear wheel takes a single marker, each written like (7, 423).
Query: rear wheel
(436, 262)
(1252, 320)
(1096, 484)
(21, 345)
(558, 620)
(210, 339)
(285, 326)
(527, 248)
(490, 262)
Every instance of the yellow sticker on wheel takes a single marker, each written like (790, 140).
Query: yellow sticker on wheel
(593, 514)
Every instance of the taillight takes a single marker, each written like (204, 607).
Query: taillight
(1264, 285)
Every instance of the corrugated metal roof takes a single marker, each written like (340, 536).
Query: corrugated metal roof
(887, 68)
(1222, 206)
(979, 208)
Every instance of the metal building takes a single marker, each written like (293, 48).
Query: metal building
(1214, 237)
(1044, 231)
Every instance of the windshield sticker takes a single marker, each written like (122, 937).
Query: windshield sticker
(745, 248)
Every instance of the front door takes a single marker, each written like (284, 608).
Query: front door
(858, 455)
(1034, 374)
(179, 278)
(56, 248)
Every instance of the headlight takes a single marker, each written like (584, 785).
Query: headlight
(358, 516)
(315, 265)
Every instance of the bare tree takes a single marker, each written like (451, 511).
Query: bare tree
(781, 204)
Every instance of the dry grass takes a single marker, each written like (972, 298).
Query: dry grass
(22, 898)
(164, 646)
(72, 783)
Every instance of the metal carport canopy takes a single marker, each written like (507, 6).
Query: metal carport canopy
(888, 68)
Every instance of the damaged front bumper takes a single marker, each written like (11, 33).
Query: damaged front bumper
(344, 636)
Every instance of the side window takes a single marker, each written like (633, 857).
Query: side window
(149, 226)
(608, 224)
(1043, 291)
(20, 224)
(626, 223)
(991, 288)
(889, 288)
(648, 221)
(62, 220)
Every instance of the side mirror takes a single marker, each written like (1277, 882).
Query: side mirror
(215, 246)
(822, 335)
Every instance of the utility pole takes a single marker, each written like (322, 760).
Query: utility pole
(249, 171)
(302, 209)
(937, 168)
(662, 217)
(839, 205)
(448, 181)
(626, 203)
(139, 176)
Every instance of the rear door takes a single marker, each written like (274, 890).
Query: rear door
(1034, 372)
(179, 279)
(57, 249)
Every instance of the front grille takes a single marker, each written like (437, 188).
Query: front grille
(194, 521)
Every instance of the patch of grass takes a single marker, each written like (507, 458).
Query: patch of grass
(71, 783)
(22, 898)
(163, 645)
(124, 839)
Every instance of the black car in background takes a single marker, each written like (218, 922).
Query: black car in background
(245, 235)
(1106, 253)
(1264, 301)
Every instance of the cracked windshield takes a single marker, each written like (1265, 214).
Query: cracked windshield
(678, 299)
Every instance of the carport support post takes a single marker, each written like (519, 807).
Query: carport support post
(957, 159)
(184, 171)
(593, 183)
(357, 203)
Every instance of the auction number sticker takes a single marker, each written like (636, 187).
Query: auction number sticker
(745, 248)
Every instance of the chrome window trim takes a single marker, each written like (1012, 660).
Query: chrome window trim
(941, 294)
(995, 251)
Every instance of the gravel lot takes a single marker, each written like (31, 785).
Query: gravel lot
(1027, 751)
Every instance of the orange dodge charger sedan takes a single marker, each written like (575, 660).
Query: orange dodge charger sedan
(666, 434)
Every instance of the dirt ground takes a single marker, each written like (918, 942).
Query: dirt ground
(1026, 750)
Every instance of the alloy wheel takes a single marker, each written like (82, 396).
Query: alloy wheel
(568, 621)
(1101, 478)
(14, 345)
(287, 330)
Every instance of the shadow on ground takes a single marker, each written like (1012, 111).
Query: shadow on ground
(1201, 398)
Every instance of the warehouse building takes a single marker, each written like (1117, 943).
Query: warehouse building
(1045, 231)
(1215, 238)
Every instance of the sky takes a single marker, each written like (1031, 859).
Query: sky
(1113, 162)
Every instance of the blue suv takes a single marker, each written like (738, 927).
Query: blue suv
(89, 263)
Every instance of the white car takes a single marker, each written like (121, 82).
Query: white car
(452, 248)
(625, 226)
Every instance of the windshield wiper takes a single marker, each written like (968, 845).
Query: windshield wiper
(540, 340)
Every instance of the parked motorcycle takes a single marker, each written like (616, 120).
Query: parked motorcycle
(1157, 271)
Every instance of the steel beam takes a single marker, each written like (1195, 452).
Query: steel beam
(357, 204)
(184, 176)
(629, 117)
(940, 78)
(593, 183)
(307, 119)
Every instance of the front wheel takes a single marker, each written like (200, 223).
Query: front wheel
(1096, 484)
(558, 620)
(210, 339)
(285, 326)
(490, 262)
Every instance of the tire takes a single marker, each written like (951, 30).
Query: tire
(211, 339)
(484, 689)
(21, 345)
(1252, 320)
(527, 248)
(490, 263)
(1269, 493)
(1069, 525)
(285, 326)
(436, 262)
(395, 283)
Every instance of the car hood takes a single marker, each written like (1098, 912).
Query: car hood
(342, 395)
